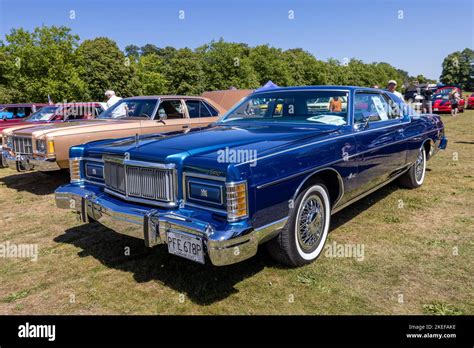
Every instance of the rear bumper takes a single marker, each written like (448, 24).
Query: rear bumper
(28, 162)
(225, 243)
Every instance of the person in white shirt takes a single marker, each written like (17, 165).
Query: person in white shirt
(120, 110)
(392, 84)
(112, 98)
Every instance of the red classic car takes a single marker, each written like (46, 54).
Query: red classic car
(49, 113)
(470, 102)
(60, 112)
(14, 113)
(440, 100)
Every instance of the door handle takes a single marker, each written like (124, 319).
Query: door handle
(184, 127)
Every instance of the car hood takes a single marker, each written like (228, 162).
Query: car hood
(207, 142)
(75, 127)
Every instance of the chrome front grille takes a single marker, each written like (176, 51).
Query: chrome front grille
(115, 176)
(22, 145)
(139, 181)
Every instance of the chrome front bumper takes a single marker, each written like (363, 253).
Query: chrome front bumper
(225, 244)
(28, 162)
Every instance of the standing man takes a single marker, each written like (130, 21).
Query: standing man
(112, 98)
(426, 104)
(392, 84)
(454, 99)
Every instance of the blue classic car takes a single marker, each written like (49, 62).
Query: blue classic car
(272, 170)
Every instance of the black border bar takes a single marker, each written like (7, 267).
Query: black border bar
(242, 330)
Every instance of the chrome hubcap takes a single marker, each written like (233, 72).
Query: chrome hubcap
(311, 223)
(419, 166)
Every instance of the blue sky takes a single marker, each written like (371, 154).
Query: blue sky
(365, 29)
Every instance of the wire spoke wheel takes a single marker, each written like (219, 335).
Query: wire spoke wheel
(311, 222)
(419, 166)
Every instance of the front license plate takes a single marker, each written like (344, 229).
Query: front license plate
(189, 247)
(435, 109)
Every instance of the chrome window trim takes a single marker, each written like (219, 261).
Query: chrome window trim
(384, 95)
(188, 190)
(210, 108)
(155, 110)
(160, 100)
(301, 89)
(221, 119)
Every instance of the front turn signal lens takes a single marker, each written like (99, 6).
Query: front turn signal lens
(50, 147)
(75, 169)
(237, 203)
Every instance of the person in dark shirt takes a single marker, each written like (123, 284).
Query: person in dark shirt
(426, 105)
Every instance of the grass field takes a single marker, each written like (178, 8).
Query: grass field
(418, 256)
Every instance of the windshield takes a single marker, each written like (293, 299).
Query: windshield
(311, 107)
(44, 114)
(131, 108)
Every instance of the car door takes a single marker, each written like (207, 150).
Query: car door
(379, 137)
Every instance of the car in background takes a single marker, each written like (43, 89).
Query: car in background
(414, 92)
(14, 113)
(50, 114)
(440, 99)
(470, 102)
(59, 112)
(46, 147)
(258, 175)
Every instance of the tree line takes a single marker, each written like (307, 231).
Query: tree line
(52, 61)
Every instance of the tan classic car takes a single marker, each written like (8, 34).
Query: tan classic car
(46, 147)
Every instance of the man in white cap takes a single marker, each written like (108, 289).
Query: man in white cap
(112, 98)
(392, 84)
